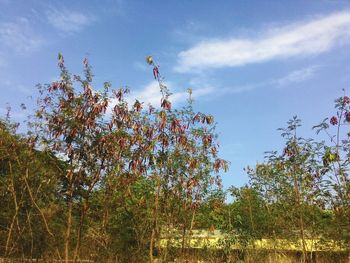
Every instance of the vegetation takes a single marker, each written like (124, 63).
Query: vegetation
(97, 178)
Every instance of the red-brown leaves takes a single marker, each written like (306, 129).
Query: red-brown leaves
(163, 139)
(182, 140)
(122, 142)
(70, 151)
(175, 126)
(207, 140)
(88, 94)
(166, 104)
(163, 120)
(220, 164)
(61, 104)
(334, 120)
(347, 116)
(54, 86)
(214, 151)
(135, 165)
(156, 72)
(149, 133)
(137, 106)
(193, 164)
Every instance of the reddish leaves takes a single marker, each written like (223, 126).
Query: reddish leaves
(166, 104)
(334, 120)
(156, 72)
(347, 116)
(220, 164)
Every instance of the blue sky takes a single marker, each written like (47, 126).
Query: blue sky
(252, 64)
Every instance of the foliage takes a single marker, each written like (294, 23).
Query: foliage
(121, 177)
(97, 177)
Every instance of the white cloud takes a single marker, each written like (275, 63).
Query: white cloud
(19, 36)
(8, 84)
(151, 94)
(309, 38)
(294, 77)
(68, 21)
(298, 75)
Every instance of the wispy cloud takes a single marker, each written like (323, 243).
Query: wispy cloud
(68, 21)
(308, 38)
(293, 77)
(297, 76)
(19, 36)
(151, 94)
(13, 85)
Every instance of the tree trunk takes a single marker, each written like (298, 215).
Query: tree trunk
(183, 242)
(155, 221)
(301, 219)
(35, 204)
(69, 227)
(15, 216)
(80, 226)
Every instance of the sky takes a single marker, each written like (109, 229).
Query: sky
(253, 65)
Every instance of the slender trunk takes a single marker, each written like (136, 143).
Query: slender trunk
(80, 226)
(69, 227)
(302, 233)
(166, 231)
(151, 247)
(251, 214)
(9, 235)
(58, 254)
(192, 220)
(301, 218)
(31, 236)
(298, 200)
(35, 204)
(155, 221)
(15, 216)
(274, 236)
(183, 242)
(183, 235)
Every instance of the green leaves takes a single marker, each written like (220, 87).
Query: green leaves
(329, 157)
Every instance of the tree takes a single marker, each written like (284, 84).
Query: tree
(291, 182)
(335, 162)
(28, 194)
(111, 161)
